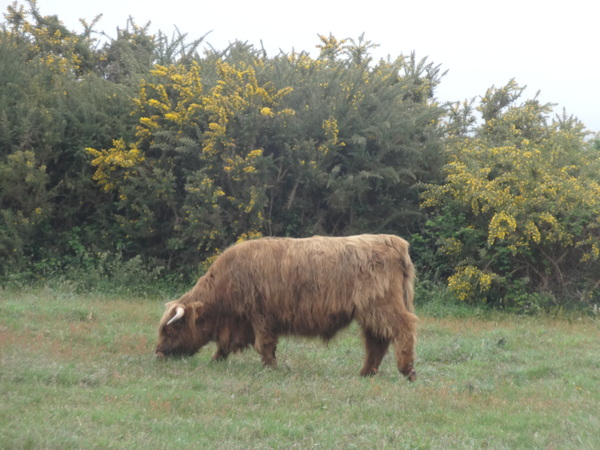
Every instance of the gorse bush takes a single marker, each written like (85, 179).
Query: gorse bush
(522, 203)
(290, 145)
(156, 154)
(207, 148)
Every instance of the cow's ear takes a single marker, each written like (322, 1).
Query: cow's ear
(198, 309)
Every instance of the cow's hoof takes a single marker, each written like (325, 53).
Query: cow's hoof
(272, 364)
(368, 372)
(410, 372)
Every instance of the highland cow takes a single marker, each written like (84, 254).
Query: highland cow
(258, 290)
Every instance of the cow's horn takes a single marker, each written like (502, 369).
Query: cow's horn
(179, 312)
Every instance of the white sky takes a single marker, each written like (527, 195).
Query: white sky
(548, 45)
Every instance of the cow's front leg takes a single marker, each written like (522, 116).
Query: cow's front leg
(223, 343)
(220, 355)
(266, 346)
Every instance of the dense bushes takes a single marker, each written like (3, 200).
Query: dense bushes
(142, 148)
(517, 219)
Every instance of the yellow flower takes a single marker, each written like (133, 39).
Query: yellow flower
(501, 226)
(255, 153)
(266, 111)
(469, 283)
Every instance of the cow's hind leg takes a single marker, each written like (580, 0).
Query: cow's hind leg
(404, 345)
(376, 348)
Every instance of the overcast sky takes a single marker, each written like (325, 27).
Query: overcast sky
(551, 46)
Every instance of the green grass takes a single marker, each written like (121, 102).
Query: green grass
(78, 371)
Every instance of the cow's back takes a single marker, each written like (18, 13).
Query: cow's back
(311, 285)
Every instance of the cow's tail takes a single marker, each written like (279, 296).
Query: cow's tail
(408, 270)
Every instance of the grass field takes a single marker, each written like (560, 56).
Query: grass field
(79, 372)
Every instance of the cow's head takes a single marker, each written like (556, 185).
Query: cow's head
(182, 330)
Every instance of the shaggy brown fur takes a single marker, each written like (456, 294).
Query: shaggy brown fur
(261, 289)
